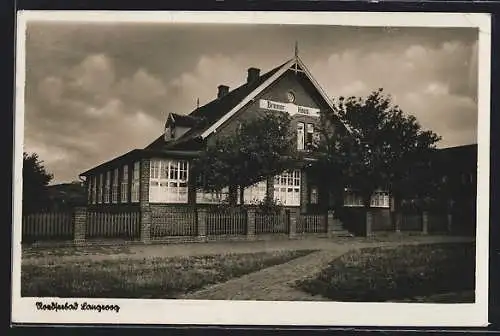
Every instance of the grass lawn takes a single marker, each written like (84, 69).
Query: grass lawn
(50, 252)
(426, 273)
(158, 277)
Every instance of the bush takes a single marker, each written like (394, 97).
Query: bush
(269, 206)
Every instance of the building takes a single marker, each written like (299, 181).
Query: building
(456, 172)
(456, 169)
(158, 179)
(159, 176)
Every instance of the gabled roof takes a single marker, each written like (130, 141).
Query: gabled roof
(213, 111)
(294, 62)
(459, 157)
(218, 111)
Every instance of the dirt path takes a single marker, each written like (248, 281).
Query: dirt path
(72, 254)
(276, 283)
(272, 283)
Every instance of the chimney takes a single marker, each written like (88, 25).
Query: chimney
(253, 75)
(223, 90)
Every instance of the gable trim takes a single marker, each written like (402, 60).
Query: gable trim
(294, 61)
(248, 99)
(319, 89)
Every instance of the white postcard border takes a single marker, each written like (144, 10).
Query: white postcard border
(137, 311)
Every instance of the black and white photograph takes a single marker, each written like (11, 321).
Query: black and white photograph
(251, 168)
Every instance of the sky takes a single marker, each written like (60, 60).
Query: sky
(96, 91)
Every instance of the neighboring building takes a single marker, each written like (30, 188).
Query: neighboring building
(160, 173)
(456, 169)
(456, 172)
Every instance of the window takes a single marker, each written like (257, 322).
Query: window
(134, 194)
(314, 195)
(99, 189)
(124, 190)
(203, 197)
(287, 188)
(300, 136)
(309, 135)
(107, 187)
(168, 181)
(255, 193)
(352, 199)
(380, 199)
(89, 191)
(114, 190)
(94, 189)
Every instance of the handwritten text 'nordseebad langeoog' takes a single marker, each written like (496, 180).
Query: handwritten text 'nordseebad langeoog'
(54, 306)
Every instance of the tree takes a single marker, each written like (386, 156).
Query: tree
(35, 182)
(384, 149)
(261, 147)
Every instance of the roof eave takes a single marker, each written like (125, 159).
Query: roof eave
(267, 83)
(140, 154)
(127, 155)
(320, 90)
(248, 99)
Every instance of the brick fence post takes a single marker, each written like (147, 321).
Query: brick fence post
(202, 223)
(146, 224)
(369, 223)
(449, 222)
(293, 217)
(331, 223)
(425, 222)
(146, 218)
(251, 224)
(398, 219)
(80, 225)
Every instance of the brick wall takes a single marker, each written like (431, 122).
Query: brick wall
(166, 218)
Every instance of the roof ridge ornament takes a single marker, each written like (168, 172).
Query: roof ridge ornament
(296, 57)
